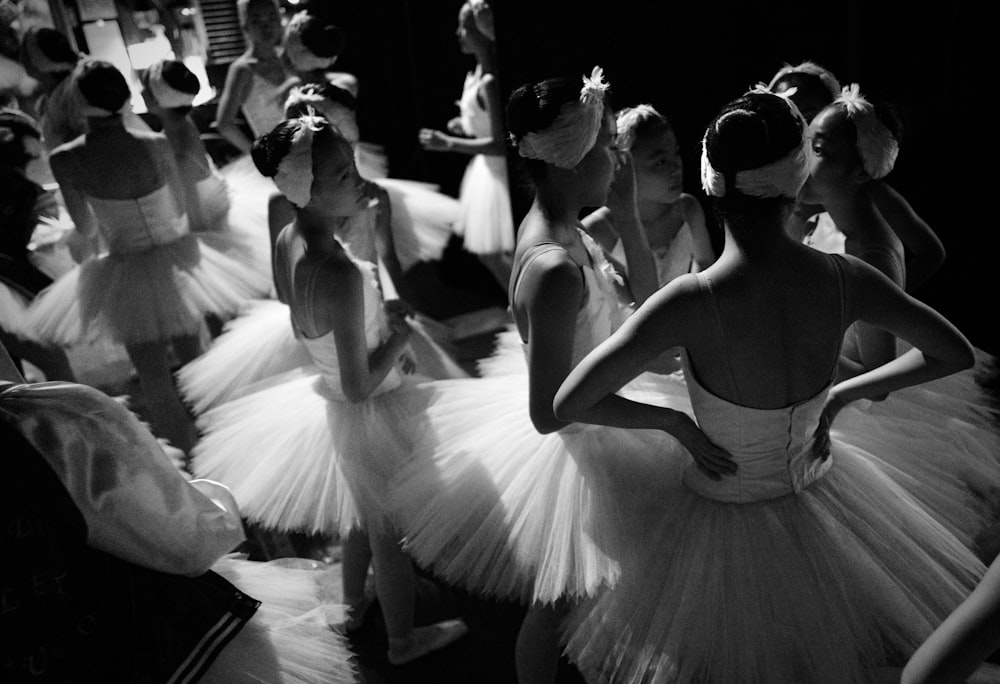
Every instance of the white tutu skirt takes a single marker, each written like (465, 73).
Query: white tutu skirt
(295, 459)
(507, 356)
(487, 223)
(289, 639)
(490, 504)
(423, 219)
(237, 219)
(14, 314)
(820, 586)
(156, 294)
(260, 344)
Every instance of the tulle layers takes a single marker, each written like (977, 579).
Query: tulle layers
(154, 294)
(487, 223)
(821, 586)
(296, 460)
(492, 505)
(289, 639)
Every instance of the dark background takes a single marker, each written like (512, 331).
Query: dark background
(937, 64)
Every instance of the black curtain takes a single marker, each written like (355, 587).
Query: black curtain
(935, 63)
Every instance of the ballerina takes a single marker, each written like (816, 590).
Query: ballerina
(502, 497)
(330, 472)
(22, 205)
(226, 216)
(152, 288)
(673, 220)
(810, 560)
(487, 224)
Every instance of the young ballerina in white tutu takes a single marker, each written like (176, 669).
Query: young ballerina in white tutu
(813, 88)
(121, 569)
(809, 562)
(229, 218)
(502, 497)
(316, 452)
(487, 224)
(22, 205)
(949, 423)
(389, 230)
(153, 281)
(258, 81)
(673, 219)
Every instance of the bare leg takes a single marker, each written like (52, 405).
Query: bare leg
(356, 558)
(537, 650)
(166, 411)
(187, 348)
(395, 585)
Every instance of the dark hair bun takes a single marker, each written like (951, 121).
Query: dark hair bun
(535, 106)
(322, 39)
(102, 85)
(269, 149)
(751, 132)
(55, 45)
(179, 77)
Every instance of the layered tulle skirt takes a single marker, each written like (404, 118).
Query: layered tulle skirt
(145, 296)
(296, 457)
(289, 639)
(825, 585)
(14, 306)
(260, 343)
(490, 504)
(423, 220)
(487, 223)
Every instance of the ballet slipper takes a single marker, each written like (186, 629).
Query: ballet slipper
(424, 640)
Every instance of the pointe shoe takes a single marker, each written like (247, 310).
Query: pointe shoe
(424, 640)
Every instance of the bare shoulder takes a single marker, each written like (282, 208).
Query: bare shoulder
(691, 208)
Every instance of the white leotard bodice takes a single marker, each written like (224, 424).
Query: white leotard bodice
(601, 313)
(323, 349)
(213, 194)
(772, 447)
(671, 261)
(263, 107)
(475, 118)
(132, 225)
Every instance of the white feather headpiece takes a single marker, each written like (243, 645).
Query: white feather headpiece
(783, 177)
(566, 142)
(295, 171)
(876, 144)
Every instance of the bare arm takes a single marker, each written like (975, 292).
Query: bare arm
(385, 244)
(63, 165)
(343, 310)
(939, 348)
(588, 394)
(183, 186)
(624, 210)
(438, 141)
(235, 91)
(925, 254)
(694, 215)
(550, 291)
(963, 641)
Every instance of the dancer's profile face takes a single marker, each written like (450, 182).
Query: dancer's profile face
(837, 164)
(263, 23)
(336, 187)
(658, 168)
(597, 168)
